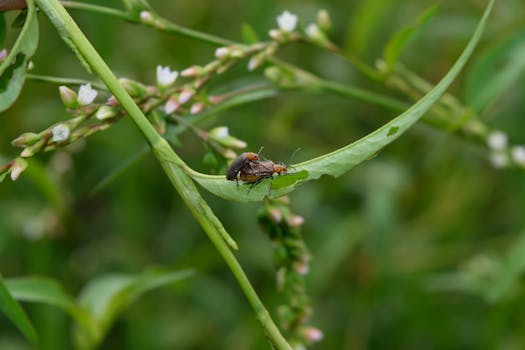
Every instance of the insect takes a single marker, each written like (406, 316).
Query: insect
(241, 162)
(256, 172)
(251, 170)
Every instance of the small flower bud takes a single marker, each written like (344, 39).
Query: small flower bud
(106, 112)
(133, 88)
(255, 61)
(196, 108)
(3, 55)
(186, 94)
(518, 155)
(29, 151)
(287, 21)
(171, 105)
(18, 167)
(229, 154)
(165, 76)
(276, 35)
(314, 33)
(323, 20)
(112, 101)
(275, 215)
(26, 139)
(215, 99)
(60, 133)
(497, 140)
(301, 268)
(30, 65)
(222, 135)
(86, 95)
(222, 52)
(68, 97)
(146, 17)
(313, 334)
(237, 53)
(295, 221)
(192, 72)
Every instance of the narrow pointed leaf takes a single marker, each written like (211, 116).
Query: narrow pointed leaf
(10, 308)
(404, 36)
(496, 71)
(342, 160)
(47, 291)
(108, 296)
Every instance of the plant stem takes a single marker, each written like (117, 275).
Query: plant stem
(64, 81)
(166, 25)
(170, 162)
(98, 9)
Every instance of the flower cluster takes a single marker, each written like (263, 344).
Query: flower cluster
(501, 155)
(292, 260)
(315, 33)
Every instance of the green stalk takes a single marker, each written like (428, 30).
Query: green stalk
(170, 162)
(166, 25)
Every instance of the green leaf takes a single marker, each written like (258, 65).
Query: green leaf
(13, 311)
(496, 71)
(402, 38)
(342, 160)
(107, 296)
(249, 36)
(13, 69)
(47, 291)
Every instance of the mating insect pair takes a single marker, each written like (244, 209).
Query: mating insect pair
(249, 168)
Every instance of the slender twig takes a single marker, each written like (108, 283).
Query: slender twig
(167, 26)
(65, 81)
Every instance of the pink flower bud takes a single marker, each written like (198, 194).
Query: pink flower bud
(171, 105)
(196, 108)
(191, 72)
(295, 221)
(275, 215)
(146, 17)
(313, 334)
(185, 95)
(18, 167)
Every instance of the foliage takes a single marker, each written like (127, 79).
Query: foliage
(420, 246)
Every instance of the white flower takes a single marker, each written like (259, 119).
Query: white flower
(313, 31)
(86, 94)
(222, 52)
(221, 132)
(146, 17)
(287, 21)
(518, 154)
(497, 140)
(165, 76)
(499, 160)
(60, 132)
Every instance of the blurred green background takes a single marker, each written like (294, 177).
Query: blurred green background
(404, 246)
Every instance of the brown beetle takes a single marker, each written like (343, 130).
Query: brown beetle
(256, 172)
(242, 161)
